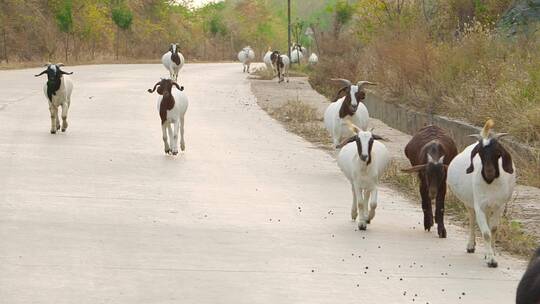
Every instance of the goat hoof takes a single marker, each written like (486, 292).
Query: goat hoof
(63, 130)
(442, 233)
(368, 221)
(492, 264)
(53, 131)
(362, 226)
(470, 250)
(175, 153)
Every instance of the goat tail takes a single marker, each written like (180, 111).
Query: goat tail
(487, 128)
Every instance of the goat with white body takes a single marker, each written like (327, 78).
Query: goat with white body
(268, 61)
(313, 59)
(363, 160)
(297, 53)
(172, 106)
(483, 178)
(246, 56)
(281, 64)
(173, 61)
(349, 106)
(58, 91)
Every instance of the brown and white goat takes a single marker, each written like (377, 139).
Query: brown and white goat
(281, 64)
(172, 107)
(430, 151)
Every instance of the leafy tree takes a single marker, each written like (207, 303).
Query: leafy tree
(123, 18)
(64, 20)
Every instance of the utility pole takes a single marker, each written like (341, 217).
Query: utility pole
(289, 29)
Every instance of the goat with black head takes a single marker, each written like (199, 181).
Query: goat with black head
(483, 178)
(173, 61)
(281, 64)
(363, 160)
(430, 151)
(347, 105)
(57, 89)
(172, 106)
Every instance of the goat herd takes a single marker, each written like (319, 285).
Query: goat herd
(482, 176)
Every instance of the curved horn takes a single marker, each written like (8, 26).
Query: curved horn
(487, 128)
(60, 64)
(354, 128)
(154, 89)
(499, 135)
(476, 136)
(414, 169)
(180, 88)
(47, 64)
(364, 83)
(342, 80)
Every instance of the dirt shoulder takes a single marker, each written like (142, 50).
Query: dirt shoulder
(523, 211)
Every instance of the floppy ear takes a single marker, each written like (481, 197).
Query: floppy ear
(338, 95)
(346, 141)
(40, 73)
(66, 73)
(506, 160)
(473, 154)
(177, 86)
(414, 169)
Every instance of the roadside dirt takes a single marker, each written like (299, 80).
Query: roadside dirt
(523, 209)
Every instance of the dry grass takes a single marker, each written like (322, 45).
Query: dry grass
(302, 119)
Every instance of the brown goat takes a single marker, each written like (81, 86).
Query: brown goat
(430, 151)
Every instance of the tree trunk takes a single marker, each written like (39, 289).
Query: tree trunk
(67, 45)
(117, 40)
(5, 45)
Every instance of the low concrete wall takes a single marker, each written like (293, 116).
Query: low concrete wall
(408, 121)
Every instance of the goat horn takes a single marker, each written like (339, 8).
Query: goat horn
(414, 169)
(499, 135)
(476, 136)
(47, 64)
(344, 81)
(487, 128)
(355, 129)
(60, 64)
(363, 83)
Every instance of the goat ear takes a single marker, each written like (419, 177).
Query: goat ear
(40, 73)
(506, 161)
(414, 169)
(338, 95)
(346, 141)
(473, 154)
(154, 89)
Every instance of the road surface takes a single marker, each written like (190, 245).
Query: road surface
(248, 214)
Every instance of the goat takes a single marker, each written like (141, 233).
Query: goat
(246, 56)
(297, 53)
(173, 61)
(528, 291)
(483, 178)
(363, 160)
(430, 151)
(313, 59)
(172, 107)
(348, 106)
(281, 63)
(268, 60)
(58, 91)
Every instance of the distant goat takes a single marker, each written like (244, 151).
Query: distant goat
(430, 151)
(58, 91)
(297, 53)
(172, 107)
(528, 291)
(363, 160)
(246, 56)
(281, 64)
(313, 59)
(483, 178)
(173, 61)
(268, 60)
(348, 106)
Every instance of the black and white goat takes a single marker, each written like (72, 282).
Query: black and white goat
(281, 64)
(173, 61)
(58, 91)
(172, 106)
(349, 106)
(483, 178)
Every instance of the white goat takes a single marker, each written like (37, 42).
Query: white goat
(246, 56)
(363, 160)
(173, 61)
(313, 59)
(350, 106)
(57, 89)
(268, 61)
(483, 178)
(172, 106)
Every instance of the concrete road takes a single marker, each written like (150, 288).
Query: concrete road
(248, 214)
